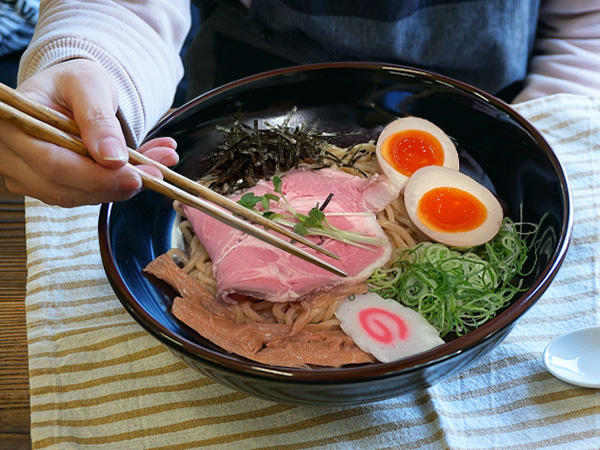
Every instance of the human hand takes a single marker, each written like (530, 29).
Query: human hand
(82, 90)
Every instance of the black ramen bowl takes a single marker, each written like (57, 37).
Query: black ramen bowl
(496, 146)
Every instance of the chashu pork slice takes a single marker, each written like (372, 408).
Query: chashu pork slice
(245, 267)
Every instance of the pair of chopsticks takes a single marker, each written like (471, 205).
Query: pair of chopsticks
(47, 124)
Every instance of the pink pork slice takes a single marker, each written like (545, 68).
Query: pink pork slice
(246, 267)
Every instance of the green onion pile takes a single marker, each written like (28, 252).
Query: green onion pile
(456, 291)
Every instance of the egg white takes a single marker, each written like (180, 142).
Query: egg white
(431, 177)
(398, 179)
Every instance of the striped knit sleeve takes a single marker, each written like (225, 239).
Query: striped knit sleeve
(567, 51)
(137, 43)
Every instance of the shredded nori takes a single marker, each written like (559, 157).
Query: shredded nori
(349, 159)
(253, 153)
(250, 153)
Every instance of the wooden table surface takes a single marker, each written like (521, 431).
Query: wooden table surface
(14, 378)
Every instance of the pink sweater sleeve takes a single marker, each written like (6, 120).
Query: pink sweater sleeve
(567, 51)
(137, 43)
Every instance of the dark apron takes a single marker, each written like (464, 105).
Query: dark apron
(481, 42)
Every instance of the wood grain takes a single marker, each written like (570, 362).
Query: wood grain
(14, 376)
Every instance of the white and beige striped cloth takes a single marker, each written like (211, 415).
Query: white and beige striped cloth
(98, 380)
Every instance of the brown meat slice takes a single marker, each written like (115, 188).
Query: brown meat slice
(269, 343)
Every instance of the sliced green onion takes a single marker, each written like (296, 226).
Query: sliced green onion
(456, 290)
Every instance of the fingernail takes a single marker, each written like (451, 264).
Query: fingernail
(128, 183)
(170, 159)
(111, 149)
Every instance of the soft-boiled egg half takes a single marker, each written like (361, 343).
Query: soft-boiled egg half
(452, 208)
(407, 144)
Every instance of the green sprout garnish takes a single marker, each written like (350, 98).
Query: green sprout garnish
(314, 223)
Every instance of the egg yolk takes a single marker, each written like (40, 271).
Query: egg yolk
(451, 210)
(409, 150)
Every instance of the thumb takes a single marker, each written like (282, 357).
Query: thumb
(93, 100)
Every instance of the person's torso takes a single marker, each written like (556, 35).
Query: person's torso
(486, 43)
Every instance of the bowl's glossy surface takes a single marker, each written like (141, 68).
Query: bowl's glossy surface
(497, 147)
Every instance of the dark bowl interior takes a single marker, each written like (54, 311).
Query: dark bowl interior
(496, 146)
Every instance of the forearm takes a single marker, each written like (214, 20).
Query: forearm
(567, 52)
(137, 43)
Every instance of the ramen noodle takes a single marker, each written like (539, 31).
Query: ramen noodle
(311, 316)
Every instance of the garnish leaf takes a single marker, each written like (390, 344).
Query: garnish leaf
(315, 223)
(277, 184)
(249, 200)
(315, 218)
(266, 201)
(300, 229)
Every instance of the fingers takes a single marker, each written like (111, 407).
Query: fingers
(92, 98)
(46, 171)
(64, 196)
(54, 193)
(61, 177)
(161, 150)
(83, 90)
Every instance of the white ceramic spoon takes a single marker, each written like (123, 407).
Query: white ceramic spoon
(575, 357)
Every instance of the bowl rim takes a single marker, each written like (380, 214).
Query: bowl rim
(234, 364)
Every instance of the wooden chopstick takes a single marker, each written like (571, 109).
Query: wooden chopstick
(68, 125)
(45, 123)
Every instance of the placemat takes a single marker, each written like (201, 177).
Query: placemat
(98, 380)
